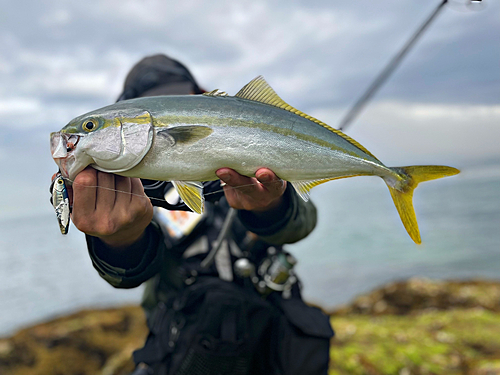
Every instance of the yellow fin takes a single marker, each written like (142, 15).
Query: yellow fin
(215, 92)
(303, 187)
(402, 191)
(191, 192)
(259, 90)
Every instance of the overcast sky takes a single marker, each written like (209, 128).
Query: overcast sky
(60, 59)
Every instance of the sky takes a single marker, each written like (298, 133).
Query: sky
(60, 59)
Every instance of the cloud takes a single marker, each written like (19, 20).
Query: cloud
(11, 106)
(420, 133)
(64, 59)
(56, 18)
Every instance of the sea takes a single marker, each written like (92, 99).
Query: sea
(359, 244)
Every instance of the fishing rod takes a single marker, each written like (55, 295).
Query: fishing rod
(393, 64)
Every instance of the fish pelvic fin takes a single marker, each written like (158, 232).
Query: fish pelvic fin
(402, 191)
(191, 192)
(259, 90)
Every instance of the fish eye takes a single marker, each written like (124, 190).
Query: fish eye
(59, 182)
(89, 125)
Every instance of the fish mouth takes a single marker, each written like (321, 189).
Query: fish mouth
(65, 165)
(62, 146)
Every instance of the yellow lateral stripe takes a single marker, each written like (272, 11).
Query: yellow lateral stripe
(259, 90)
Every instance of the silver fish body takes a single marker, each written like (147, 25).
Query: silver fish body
(60, 201)
(245, 142)
(185, 139)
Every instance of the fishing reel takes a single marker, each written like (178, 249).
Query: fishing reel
(274, 274)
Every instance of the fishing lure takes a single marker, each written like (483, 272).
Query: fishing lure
(60, 201)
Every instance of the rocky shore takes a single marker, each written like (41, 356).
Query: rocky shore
(420, 327)
(410, 327)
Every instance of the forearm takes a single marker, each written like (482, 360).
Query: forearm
(128, 267)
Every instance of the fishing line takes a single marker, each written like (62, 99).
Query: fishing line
(159, 199)
(388, 70)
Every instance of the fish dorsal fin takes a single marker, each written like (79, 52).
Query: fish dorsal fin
(259, 90)
(215, 92)
(191, 192)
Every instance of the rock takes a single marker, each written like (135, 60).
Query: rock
(416, 295)
(408, 327)
(88, 342)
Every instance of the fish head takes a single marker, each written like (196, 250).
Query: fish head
(111, 140)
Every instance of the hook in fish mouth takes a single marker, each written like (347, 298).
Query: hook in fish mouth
(71, 142)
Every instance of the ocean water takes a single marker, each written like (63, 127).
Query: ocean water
(358, 244)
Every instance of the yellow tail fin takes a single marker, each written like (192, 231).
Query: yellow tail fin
(402, 192)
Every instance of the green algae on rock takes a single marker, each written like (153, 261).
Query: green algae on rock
(411, 327)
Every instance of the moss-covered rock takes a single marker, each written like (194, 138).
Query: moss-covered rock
(404, 328)
(89, 342)
(459, 341)
(410, 296)
(420, 326)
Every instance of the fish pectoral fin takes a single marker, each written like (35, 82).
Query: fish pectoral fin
(304, 187)
(191, 192)
(186, 134)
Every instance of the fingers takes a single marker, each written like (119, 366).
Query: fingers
(85, 192)
(123, 191)
(234, 179)
(275, 185)
(93, 201)
(254, 194)
(140, 205)
(106, 194)
(265, 180)
(111, 207)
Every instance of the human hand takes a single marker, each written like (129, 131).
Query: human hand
(118, 218)
(259, 194)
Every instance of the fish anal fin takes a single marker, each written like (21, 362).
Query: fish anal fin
(304, 187)
(187, 134)
(191, 192)
(259, 90)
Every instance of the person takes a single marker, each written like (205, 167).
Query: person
(221, 295)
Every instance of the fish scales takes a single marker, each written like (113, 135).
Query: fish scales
(259, 136)
(185, 139)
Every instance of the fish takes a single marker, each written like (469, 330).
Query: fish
(60, 201)
(186, 139)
